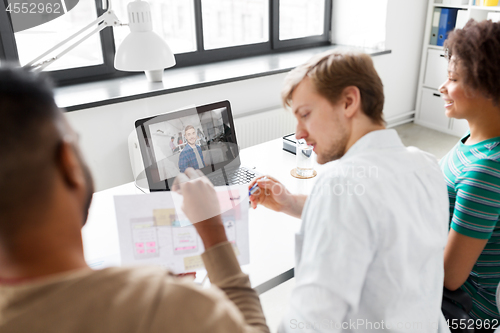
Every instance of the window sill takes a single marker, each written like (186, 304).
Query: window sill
(88, 95)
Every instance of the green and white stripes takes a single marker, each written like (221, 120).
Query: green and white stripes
(472, 174)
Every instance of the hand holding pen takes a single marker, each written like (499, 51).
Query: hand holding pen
(270, 193)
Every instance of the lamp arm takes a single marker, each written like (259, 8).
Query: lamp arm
(108, 19)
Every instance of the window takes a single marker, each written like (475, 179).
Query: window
(228, 23)
(301, 18)
(173, 20)
(197, 31)
(366, 28)
(32, 42)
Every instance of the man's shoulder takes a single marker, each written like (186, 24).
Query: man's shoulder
(141, 279)
(384, 171)
(129, 272)
(419, 153)
(128, 287)
(184, 151)
(403, 158)
(113, 279)
(394, 160)
(143, 286)
(112, 299)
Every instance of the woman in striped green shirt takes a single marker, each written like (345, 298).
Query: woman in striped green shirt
(472, 167)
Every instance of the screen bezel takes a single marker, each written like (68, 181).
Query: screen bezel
(147, 150)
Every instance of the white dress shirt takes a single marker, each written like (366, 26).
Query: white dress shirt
(369, 255)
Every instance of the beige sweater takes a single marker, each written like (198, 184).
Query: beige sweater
(139, 299)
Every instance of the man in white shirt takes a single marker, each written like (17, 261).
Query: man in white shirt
(369, 255)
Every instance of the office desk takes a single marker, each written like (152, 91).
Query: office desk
(271, 234)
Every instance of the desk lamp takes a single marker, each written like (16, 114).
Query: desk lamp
(142, 49)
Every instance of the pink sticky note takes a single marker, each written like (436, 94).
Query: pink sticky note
(151, 250)
(151, 244)
(185, 248)
(140, 251)
(139, 245)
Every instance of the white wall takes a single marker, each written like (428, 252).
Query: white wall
(104, 130)
(399, 70)
(364, 28)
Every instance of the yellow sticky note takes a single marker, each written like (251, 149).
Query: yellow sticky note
(193, 263)
(164, 216)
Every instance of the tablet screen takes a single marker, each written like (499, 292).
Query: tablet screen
(201, 138)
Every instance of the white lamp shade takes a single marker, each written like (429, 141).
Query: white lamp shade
(143, 51)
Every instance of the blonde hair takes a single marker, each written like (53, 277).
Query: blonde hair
(333, 71)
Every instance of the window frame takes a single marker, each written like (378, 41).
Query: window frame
(202, 56)
(8, 48)
(303, 42)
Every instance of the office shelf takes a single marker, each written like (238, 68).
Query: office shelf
(430, 109)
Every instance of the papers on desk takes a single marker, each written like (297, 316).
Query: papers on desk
(152, 229)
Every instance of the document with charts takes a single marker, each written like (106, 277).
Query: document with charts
(152, 229)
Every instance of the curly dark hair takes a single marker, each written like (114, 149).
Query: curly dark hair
(476, 48)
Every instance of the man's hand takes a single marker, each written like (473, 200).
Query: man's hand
(201, 206)
(273, 195)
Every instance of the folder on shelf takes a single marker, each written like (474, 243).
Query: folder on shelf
(462, 18)
(435, 25)
(446, 23)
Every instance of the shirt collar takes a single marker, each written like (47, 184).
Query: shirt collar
(375, 140)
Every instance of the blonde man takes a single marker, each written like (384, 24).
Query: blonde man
(191, 156)
(369, 255)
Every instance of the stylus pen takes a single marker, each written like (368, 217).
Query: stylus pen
(253, 189)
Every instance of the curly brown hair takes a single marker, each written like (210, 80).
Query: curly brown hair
(476, 50)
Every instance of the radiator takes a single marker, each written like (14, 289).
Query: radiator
(264, 126)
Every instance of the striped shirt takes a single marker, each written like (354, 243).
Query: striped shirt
(472, 174)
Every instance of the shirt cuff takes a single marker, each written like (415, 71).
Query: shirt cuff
(471, 233)
(220, 262)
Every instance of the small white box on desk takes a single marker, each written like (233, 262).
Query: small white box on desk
(290, 143)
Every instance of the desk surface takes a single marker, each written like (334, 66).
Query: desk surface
(271, 234)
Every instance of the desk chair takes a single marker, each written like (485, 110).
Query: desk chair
(457, 305)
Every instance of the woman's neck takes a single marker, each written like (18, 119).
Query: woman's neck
(484, 127)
